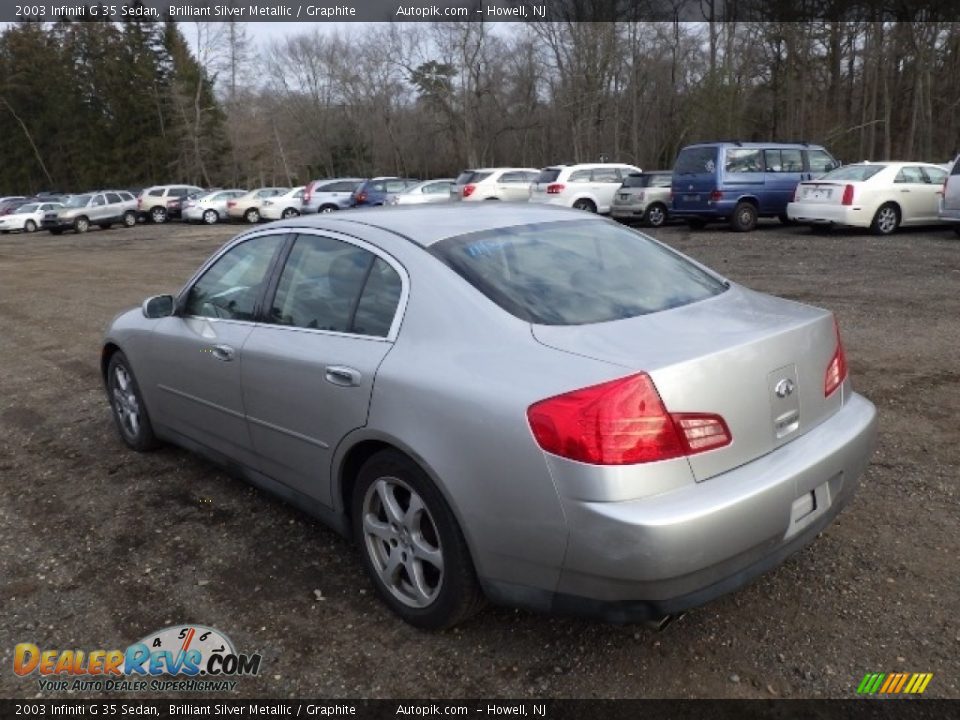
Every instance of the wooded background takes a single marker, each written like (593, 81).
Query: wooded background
(98, 104)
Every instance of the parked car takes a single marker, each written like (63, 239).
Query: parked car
(424, 193)
(329, 195)
(643, 197)
(949, 207)
(879, 196)
(586, 186)
(27, 217)
(247, 207)
(8, 203)
(161, 202)
(739, 182)
(539, 406)
(210, 207)
(287, 205)
(509, 184)
(79, 212)
(176, 203)
(373, 192)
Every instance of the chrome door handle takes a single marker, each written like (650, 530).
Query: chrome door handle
(342, 375)
(904, 190)
(223, 352)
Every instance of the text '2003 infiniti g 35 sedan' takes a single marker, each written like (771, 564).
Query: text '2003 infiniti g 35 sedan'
(524, 404)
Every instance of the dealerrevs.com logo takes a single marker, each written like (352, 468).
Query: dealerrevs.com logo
(177, 658)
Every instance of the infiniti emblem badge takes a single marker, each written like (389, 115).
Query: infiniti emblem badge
(784, 388)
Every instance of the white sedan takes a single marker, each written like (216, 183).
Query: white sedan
(283, 206)
(26, 217)
(881, 196)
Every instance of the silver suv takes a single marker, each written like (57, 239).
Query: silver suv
(153, 202)
(104, 208)
(950, 196)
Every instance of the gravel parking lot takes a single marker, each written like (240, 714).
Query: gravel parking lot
(100, 545)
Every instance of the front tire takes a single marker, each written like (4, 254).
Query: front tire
(29, 226)
(129, 410)
(129, 218)
(886, 221)
(81, 225)
(211, 217)
(158, 215)
(584, 204)
(744, 217)
(656, 215)
(252, 216)
(411, 545)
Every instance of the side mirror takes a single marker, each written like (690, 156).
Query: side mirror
(158, 306)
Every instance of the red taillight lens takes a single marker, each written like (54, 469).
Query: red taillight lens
(837, 368)
(621, 422)
(796, 193)
(468, 190)
(847, 195)
(716, 196)
(308, 193)
(361, 197)
(231, 203)
(139, 201)
(555, 188)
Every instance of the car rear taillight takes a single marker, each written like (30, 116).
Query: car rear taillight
(837, 368)
(468, 190)
(308, 193)
(231, 203)
(139, 201)
(361, 197)
(555, 188)
(622, 422)
(716, 196)
(796, 193)
(847, 195)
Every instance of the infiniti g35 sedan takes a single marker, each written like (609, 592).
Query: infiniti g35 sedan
(529, 405)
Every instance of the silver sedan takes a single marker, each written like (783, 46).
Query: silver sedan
(423, 193)
(527, 405)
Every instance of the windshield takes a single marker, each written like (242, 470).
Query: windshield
(853, 172)
(77, 201)
(575, 272)
(32, 207)
(695, 160)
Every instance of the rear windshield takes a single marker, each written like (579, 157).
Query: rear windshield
(694, 160)
(574, 273)
(472, 176)
(548, 175)
(646, 180)
(853, 172)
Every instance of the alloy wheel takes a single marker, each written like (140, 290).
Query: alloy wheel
(125, 402)
(210, 217)
(886, 220)
(655, 216)
(402, 542)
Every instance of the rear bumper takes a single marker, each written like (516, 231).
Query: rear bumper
(641, 559)
(821, 213)
(627, 211)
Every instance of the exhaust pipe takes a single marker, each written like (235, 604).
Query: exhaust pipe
(662, 623)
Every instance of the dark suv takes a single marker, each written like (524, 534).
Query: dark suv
(374, 191)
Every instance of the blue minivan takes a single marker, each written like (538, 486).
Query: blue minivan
(739, 182)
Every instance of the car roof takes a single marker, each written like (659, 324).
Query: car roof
(771, 144)
(426, 225)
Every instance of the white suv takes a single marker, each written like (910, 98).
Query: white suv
(587, 186)
(493, 184)
(153, 202)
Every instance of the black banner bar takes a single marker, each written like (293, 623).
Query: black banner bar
(201, 707)
(483, 10)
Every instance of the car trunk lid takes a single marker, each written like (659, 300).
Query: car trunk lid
(757, 361)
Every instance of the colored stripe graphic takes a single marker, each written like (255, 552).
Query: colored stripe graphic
(894, 683)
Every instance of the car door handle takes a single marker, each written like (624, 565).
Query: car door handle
(223, 352)
(342, 375)
(904, 190)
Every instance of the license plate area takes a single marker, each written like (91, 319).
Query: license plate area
(691, 198)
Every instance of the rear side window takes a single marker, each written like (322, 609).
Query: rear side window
(548, 175)
(743, 160)
(579, 176)
(379, 300)
(606, 175)
(574, 273)
(696, 160)
(113, 198)
(910, 175)
(786, 161)
(472, 176)
(935, 176)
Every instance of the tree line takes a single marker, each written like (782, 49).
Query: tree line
(95, 104)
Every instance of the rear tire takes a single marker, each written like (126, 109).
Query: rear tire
(252, 216)
(211, 217)
(158, 215)
(289, 213)
(328, 208)
(129, 218)
(584, 204)
(81, 225)
(29, 226)
(400, 547)
(744, 217)
(656, 215)
(886, 221)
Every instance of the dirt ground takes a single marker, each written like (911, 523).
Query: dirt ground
(100, 545)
